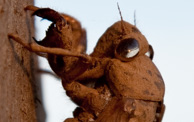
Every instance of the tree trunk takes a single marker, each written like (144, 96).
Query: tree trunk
(18, 89)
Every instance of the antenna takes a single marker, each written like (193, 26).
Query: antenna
(135, 18)
(122, 22)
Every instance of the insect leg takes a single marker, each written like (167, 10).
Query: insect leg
(45, 13)
(31, 8)
(96, 71)
(41, 49)
(79, 34)
(85, 97)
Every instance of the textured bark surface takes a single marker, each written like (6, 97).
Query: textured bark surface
(18, 94)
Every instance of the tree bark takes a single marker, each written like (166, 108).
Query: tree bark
(18, 88)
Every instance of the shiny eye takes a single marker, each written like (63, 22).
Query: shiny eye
(150, 52)
(127, 49)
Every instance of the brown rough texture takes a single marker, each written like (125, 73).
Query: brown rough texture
(117, 82)
(17, 65)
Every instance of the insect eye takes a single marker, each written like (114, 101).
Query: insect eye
(127, 49)
(150, 52)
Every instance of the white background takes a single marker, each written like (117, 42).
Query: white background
(168, 26)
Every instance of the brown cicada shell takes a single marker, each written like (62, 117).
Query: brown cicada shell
(118, 82)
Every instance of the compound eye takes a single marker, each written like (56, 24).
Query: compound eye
(127, 49)
(150, 52)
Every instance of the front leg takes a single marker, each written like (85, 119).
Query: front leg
(41, 49)
(74, 69)
(88, 98)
